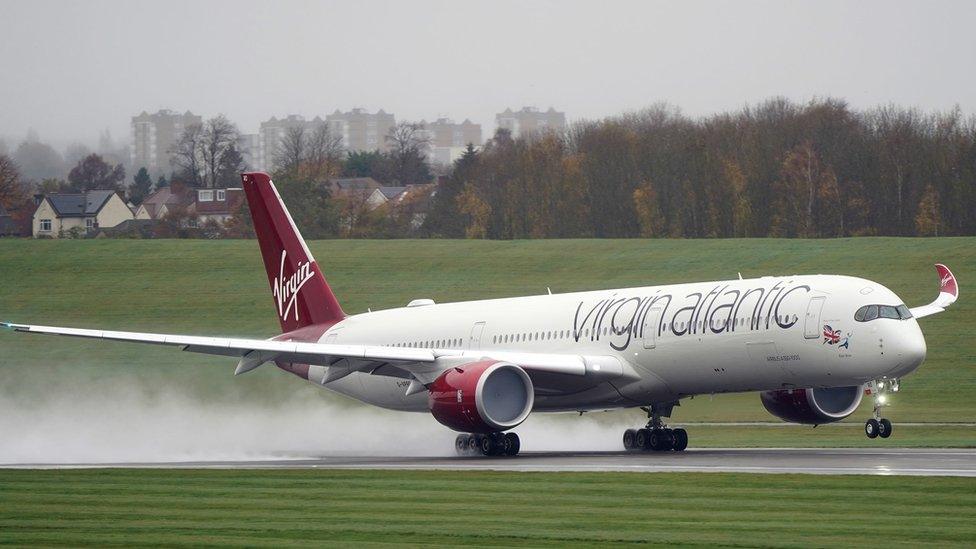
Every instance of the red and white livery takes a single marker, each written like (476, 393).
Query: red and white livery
(811, 345)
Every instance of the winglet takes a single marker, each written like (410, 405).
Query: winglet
(948, 293)
(947, 282)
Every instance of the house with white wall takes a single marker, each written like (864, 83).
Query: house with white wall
(60, 215)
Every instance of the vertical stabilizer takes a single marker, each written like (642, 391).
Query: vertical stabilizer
(301, 295)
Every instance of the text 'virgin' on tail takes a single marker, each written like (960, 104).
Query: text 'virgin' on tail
(302, 297)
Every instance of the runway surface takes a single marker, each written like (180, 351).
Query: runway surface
(845, 461)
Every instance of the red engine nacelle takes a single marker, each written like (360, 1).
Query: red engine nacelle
(482, 397)
(813, 406)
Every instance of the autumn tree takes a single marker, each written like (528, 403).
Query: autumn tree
(928, 216)
(444, 219)
(93, 173)
(12, 190)
(648, 211)
(476, 212)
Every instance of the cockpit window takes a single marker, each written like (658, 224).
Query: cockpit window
(871, 312)
(887, 311)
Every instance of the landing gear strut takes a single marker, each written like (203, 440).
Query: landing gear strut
(878, 426)
(491, 444)
(656, 436)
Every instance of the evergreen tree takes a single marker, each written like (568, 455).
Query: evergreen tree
(141, 186)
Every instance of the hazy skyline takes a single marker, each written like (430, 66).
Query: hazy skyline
(72, 69)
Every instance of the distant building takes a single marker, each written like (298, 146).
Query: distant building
(360, 130)
(448, 140)
(249, 145)
(353, 187)
(205, 205)
(530, 120)
(154, 135)
(60, 215)
(384, 195)
(271, 134)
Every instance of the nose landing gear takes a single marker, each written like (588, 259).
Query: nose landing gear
(491, 444)
(878, 426)
(656, 436)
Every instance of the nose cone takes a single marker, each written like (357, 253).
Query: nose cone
(910, 347)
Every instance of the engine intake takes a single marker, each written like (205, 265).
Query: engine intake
(813, 406)
(482, 397)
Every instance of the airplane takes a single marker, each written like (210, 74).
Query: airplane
(812, 346)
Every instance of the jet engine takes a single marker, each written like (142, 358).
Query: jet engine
(813, 406)
(482, 397)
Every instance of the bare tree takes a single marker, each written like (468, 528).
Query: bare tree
(290, 150)
(186, 154)
(201, 150)
(324, 152)
(219, 139)
(407, 137)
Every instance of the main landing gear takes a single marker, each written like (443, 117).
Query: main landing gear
(656, 436)
(491, 444)
(878, 426)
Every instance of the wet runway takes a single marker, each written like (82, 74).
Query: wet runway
(824, 461)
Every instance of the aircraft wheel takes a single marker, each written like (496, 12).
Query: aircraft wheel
(643, 439)
(680, 439)
(487, 445)
(512, 444)
(665, 440)
(630, 440)
(884, 428)
(657, 440)
(474, 444)
(461, 444)
(871, 428)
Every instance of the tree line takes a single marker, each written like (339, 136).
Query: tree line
(777, 169)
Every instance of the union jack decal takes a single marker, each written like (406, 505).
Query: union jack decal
(831, 336)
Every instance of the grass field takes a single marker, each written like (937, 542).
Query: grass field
(134, 508)
(219, 288)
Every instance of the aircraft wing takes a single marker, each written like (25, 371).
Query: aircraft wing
(948, 294)
(422, 364)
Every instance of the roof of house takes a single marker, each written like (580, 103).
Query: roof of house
(355, 183)
(165, 197)
(391, 192)
(79, 205)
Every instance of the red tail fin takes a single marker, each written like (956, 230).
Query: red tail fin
(302, 296)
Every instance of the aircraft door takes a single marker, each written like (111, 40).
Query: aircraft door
(811, 322)
(649, 329)
(474, 342)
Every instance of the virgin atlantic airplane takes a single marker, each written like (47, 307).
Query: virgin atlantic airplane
(811, 345)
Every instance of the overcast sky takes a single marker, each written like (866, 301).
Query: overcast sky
(71, 69)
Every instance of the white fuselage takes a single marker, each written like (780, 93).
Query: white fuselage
(655, 344)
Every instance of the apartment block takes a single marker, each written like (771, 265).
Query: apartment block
(154, 135)
(361, 130)
(530, 120)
